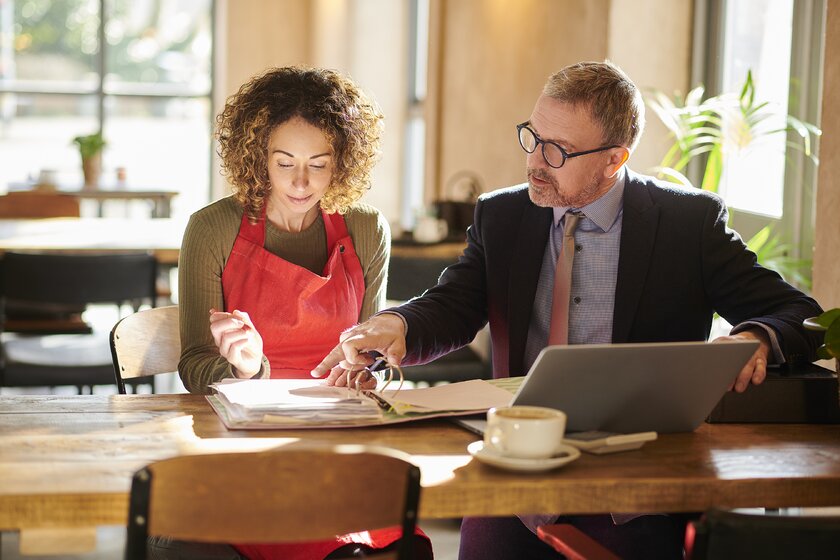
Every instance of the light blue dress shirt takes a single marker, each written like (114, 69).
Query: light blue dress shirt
(594, 274)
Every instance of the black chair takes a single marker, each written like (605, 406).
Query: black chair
(80, 360)
(728, 535)
(410, 277)
(725, 535)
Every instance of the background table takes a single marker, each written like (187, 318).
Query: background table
(162, 237)
(161, 200)
(66, 464)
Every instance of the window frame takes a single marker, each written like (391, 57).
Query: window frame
(796, 226)
(134, 91)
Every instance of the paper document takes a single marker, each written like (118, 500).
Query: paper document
(475, 394)
(273, 403)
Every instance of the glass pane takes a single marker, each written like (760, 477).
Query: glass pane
(758, 38)
(163, 144)
(36, 132)
(159, 47)
(49, 45)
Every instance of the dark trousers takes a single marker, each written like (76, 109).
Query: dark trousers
(651, 537)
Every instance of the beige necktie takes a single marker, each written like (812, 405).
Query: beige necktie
(559, 331)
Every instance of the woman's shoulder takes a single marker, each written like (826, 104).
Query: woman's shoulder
(216, 225)
(222, 214)
(362, 216)
(367, 222)
(224, 209)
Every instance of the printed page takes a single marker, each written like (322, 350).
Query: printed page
(476, 394)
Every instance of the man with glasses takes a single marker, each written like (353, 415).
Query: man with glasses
(588, 252)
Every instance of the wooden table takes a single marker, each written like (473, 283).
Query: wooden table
(161, 200)
(66, 464)
(160, 236)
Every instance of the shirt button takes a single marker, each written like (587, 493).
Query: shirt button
(578, 248)
(577, 299)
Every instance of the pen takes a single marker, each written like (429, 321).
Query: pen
(379, 362)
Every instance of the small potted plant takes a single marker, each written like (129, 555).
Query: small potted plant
(829, 322)
(90, 149)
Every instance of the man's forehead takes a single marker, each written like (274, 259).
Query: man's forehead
(554, 119)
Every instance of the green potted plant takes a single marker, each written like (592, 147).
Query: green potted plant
(726, 124)
(90, 150)
(829, 322)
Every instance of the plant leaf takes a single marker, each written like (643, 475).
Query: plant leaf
(714, 167)
(828, 317)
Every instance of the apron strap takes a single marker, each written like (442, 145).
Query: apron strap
(255, 233)
(335, 227)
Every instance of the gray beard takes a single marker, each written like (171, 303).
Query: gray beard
(554, 197)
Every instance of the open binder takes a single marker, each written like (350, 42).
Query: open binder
(295, 403)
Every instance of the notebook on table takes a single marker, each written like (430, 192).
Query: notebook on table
(626, 388)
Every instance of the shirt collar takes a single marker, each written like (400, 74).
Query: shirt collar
(604, 211)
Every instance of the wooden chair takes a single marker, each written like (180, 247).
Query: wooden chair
(146, 343)
(293, 494)
(39, 204)
(47, 279)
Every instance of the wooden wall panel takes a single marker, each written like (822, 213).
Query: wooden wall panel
(827, 234)
(496, 56)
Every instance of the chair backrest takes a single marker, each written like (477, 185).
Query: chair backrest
(78, 278)
(146, 343)
(293, 494)
(725, 535)
(38, 204)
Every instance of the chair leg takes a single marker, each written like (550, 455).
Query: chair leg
(573, 543)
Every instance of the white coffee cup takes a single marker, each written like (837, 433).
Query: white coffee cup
(525, 432)
(429, 229)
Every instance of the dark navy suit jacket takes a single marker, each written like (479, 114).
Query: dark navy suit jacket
(678, 265)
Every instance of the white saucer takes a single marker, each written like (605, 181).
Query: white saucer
(567, 454)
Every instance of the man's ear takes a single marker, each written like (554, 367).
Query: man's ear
(618, 157)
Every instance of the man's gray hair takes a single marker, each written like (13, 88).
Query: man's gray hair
(613, 99)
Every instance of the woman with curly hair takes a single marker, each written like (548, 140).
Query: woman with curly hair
(291, 258)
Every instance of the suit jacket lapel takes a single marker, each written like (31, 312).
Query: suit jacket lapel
(523, 277)
(638, 233)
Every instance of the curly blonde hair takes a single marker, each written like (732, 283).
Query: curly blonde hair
(325, 99)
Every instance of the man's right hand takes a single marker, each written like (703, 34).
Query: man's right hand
(384, 333)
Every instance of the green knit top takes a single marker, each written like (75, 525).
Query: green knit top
(208, 241)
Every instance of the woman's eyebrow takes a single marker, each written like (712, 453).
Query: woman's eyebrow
(279, 151)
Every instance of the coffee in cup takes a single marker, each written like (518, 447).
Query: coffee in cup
(525, 432)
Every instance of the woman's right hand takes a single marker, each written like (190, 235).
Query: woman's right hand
(238, 341)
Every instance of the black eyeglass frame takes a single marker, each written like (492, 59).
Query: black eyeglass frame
(566, 155)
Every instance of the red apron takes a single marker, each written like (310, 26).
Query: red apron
(298, 313)
(300, 316)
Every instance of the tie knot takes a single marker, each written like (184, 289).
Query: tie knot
(570, 222)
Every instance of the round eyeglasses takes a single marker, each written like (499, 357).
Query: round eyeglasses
(554, 155)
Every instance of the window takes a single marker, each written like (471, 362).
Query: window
(781, 42)
(139, 71)
(757, 38)
(415, 131)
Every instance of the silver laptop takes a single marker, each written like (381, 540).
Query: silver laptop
(624, 388)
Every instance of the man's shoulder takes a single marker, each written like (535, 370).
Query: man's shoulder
(506, 194)
(664, 192)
